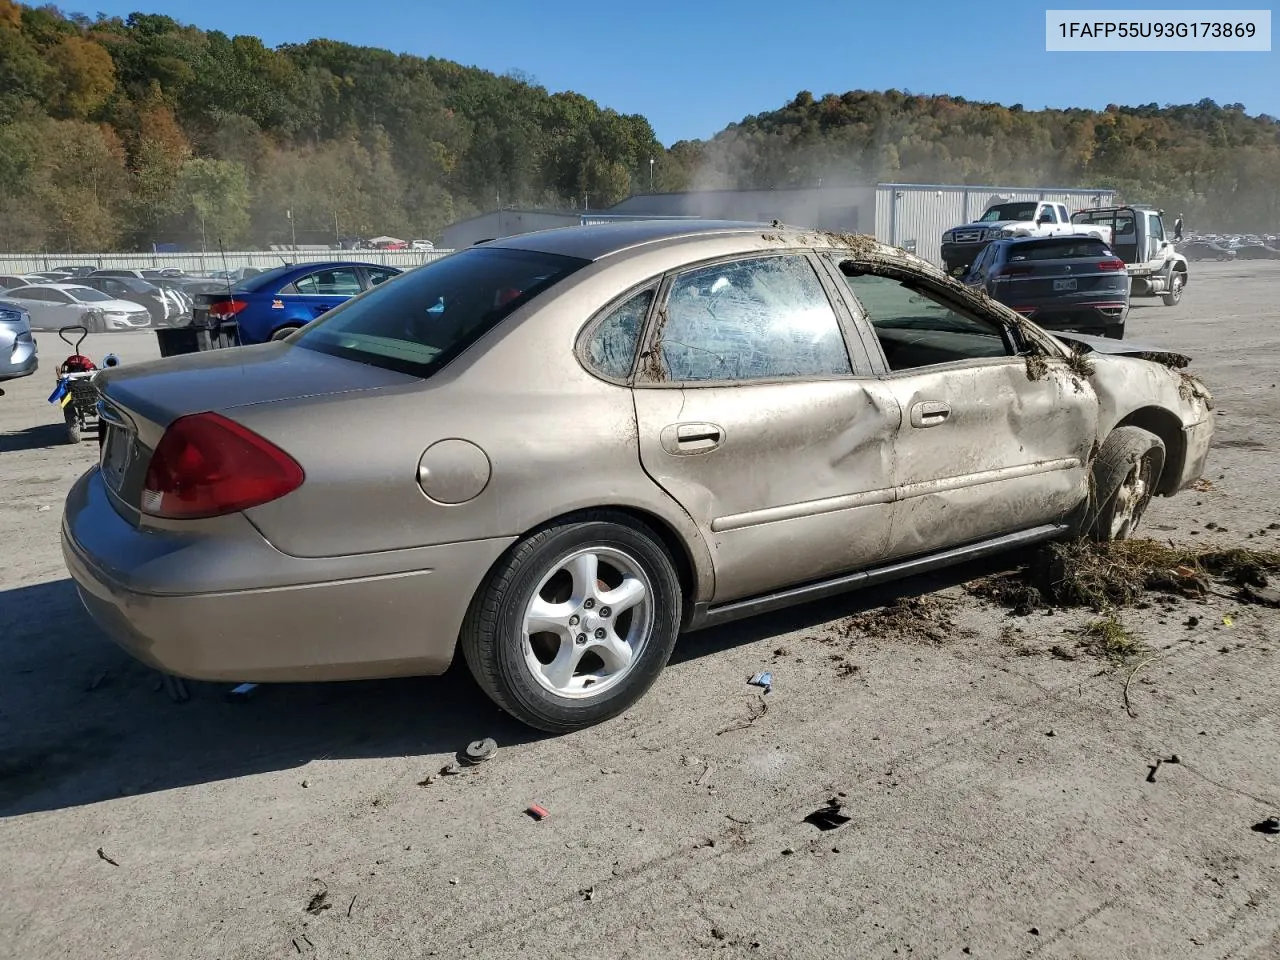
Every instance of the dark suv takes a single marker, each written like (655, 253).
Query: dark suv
(1063, 283)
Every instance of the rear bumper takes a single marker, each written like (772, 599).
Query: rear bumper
(184, 603)
(23, 367)
(1070, 317)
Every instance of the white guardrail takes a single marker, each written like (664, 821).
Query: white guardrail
(201, 264)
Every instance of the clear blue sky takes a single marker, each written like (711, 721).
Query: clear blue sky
(694, 66)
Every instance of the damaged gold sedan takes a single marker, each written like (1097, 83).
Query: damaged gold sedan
(558, 451)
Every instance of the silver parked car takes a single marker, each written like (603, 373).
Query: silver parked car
(163, 305)
(18, 354)
(559, 450)
(56, 305)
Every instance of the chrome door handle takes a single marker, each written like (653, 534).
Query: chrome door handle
(681, 439)
(930, 413)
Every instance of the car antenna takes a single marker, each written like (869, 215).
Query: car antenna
(226, 271)
(227, 274)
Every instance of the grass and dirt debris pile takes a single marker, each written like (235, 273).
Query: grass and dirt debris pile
(1102, 577)
(928, 619)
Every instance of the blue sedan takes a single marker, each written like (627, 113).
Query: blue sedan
(273, 304)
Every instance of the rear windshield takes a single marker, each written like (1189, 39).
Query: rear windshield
(430, 315)
(1065, 249)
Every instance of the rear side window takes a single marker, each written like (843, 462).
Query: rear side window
(1066, 249)
(610, 347)
(430, 315)
(339, 282)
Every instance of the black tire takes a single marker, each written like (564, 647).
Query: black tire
(74, 433)
(1131, 458)
(1114, 331)
(93, 323)
(284, 332)
(1177, 280)
(493, 637)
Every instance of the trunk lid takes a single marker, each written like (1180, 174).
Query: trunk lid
(138, 402)
(1063, 278)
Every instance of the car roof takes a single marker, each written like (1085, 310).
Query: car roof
(56, 286)
(598, 240)
(321, 264)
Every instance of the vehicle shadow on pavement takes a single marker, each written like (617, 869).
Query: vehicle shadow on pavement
(33, 438)
(82, 722)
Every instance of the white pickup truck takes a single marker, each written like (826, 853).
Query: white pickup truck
(1018, 218)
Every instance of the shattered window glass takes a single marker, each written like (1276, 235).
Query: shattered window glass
(767, 318)
(611, 348)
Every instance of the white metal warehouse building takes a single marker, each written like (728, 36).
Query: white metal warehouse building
(915, 215)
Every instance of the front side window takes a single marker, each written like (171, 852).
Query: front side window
(610, 346)
(1049, 214)
(918, 327)
(433, 313)
(339, 282)
(377, 275)
(760, 319)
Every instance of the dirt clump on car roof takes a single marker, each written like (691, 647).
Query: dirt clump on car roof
(860, 244)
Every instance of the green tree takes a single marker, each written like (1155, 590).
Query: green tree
(216, 194)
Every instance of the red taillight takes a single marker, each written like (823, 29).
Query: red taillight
(1115, 263)
(206, 465)
(226, 309)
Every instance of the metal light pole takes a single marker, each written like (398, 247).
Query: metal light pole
(651, 174)
(293, 227)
